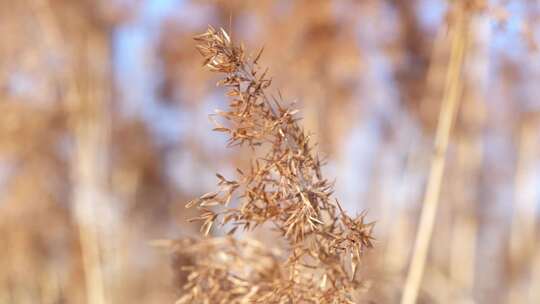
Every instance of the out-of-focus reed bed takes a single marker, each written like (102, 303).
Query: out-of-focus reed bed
(426, 112)
(73, 182)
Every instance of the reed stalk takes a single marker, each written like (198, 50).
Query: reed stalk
(449, 107)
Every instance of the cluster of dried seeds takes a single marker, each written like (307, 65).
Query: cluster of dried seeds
(285, 188)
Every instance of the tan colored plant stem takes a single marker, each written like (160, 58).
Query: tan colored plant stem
(534, 291)
(88, 98)
(523, 229)
(452, 94)
(469, 160)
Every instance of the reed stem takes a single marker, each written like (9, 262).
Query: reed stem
(450, 102)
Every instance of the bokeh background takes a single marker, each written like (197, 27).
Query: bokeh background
(104, 135)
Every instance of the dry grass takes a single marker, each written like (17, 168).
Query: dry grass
(102, 141)
(448, 112)
(285, 188)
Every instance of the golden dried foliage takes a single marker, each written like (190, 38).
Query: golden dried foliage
(283, 187)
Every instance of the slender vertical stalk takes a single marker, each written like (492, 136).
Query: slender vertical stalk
(88, 96)
(534, 291)
(463, 248)
(452, 93)
(522, 230)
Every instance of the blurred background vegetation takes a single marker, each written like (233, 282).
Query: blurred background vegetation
(104, 136)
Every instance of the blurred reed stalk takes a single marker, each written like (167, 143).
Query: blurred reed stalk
(88, 97)
(469, 151)
(523, 228)
(452, 93)
(534, 291)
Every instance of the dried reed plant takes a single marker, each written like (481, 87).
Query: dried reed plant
(284, 188)
(448, 112)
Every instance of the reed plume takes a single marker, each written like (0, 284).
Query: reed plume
(284, 188)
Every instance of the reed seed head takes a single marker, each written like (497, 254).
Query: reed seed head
(283, 187)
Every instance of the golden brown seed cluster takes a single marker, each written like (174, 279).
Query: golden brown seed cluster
(283, 187)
